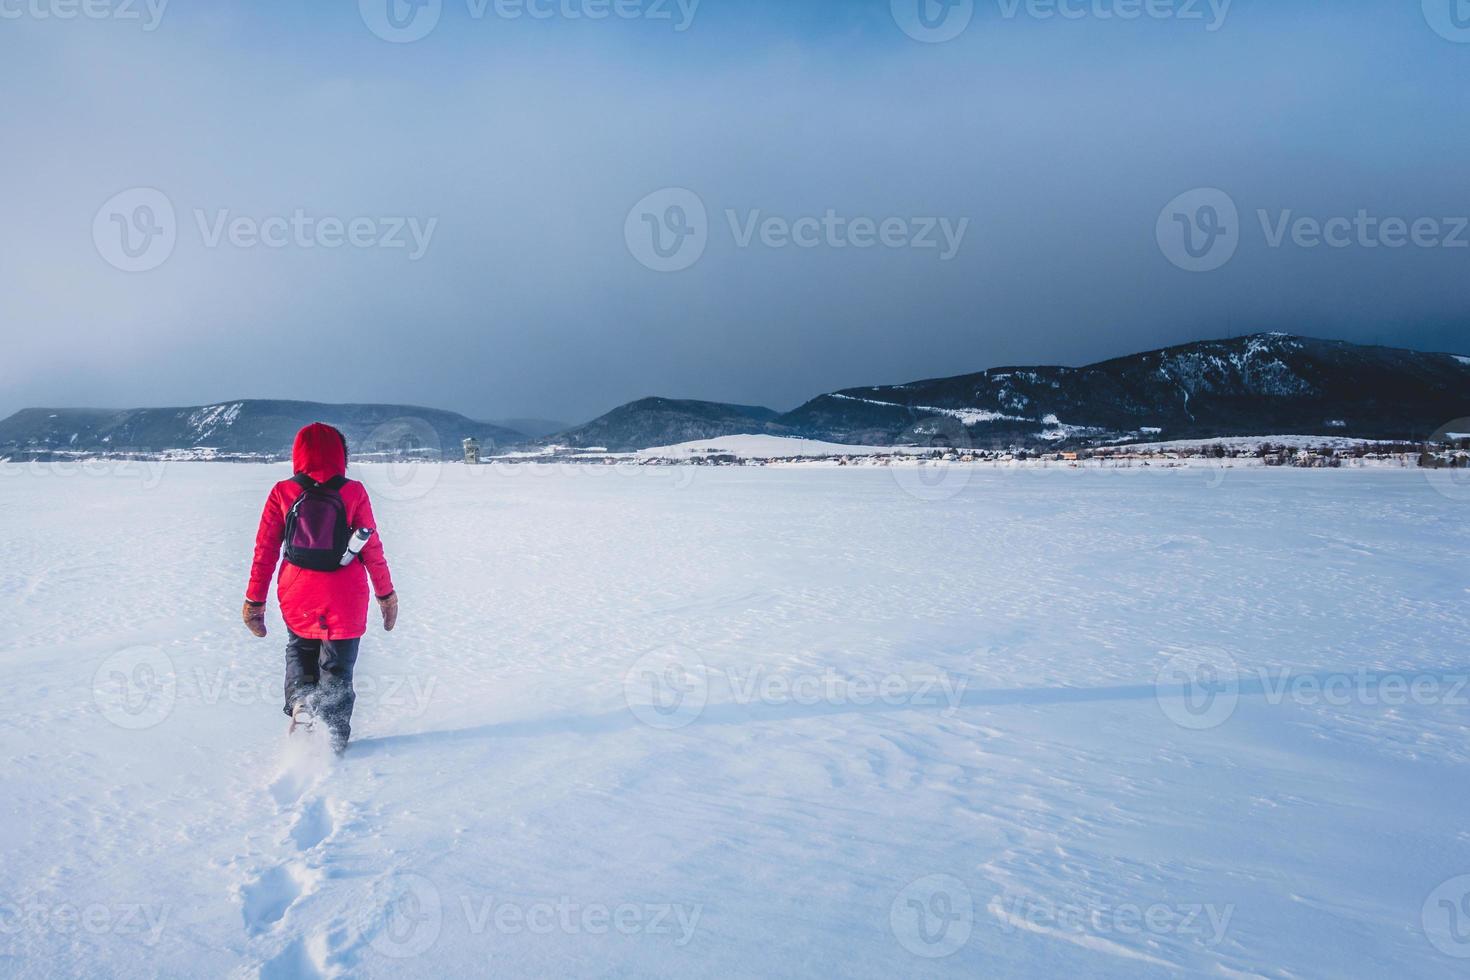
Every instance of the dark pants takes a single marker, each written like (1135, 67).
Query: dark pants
(319, 673)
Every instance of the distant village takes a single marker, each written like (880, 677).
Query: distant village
(1303, 452)
(1309, 452)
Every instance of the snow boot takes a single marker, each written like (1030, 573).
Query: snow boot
(301, 718)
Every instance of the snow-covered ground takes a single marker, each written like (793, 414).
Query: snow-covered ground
(752, 722)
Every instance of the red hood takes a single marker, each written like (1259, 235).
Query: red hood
(320, 452)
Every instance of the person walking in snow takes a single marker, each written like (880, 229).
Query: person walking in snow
(325, 523)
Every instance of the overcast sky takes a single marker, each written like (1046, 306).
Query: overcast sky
(1038, 155)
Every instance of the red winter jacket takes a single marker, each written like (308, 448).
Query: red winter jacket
(319, 605)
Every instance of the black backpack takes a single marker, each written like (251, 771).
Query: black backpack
(316, 526)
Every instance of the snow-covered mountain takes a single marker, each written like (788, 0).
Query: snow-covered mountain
(248, 427)
(1262, 384)
(1265, 383)
(666, 421)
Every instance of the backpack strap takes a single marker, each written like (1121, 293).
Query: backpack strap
(307, 483)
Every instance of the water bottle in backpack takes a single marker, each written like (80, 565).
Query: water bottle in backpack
(354, 547)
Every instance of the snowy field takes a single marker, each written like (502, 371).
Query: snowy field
(704, 722)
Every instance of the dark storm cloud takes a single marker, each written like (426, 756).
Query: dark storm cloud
(451, 220)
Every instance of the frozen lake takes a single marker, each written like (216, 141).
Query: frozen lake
(750, 722)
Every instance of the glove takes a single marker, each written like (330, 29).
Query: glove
(389, 606)
(254, 616)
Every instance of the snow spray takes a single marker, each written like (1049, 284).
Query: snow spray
(358, 541)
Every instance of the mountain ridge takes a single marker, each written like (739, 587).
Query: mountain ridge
(1251, 385)
(244, 428)
(658, 421)
(1256, 384)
